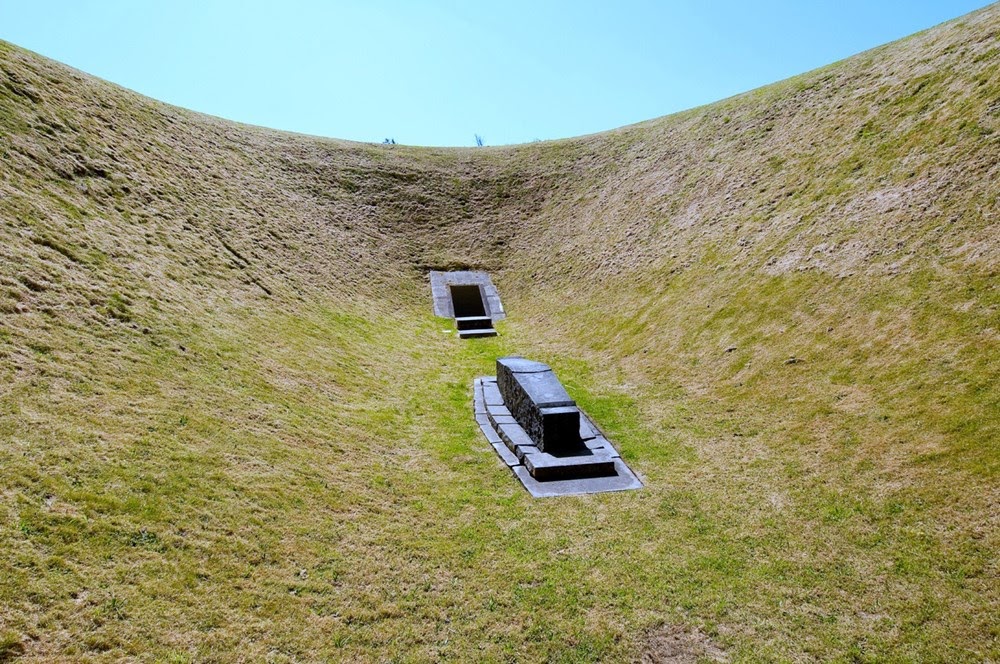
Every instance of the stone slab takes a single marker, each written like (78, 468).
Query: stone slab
(545, 467)
(500, 411)
(519, 364)
(623, 480)
(515, 436)
(492, 435)
(601, 445)
(472, 334)
(462, 322)
(522, 452)
(491, 393)
(506, 455)
(478, 402)
(499, 421)
(587, 428)
(592, 447)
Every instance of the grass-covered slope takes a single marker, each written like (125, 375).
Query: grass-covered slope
(231, 429)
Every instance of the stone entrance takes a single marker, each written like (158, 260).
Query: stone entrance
(470, 311)
(468, 297)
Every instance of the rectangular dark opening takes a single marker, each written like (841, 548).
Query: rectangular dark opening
(467, 300)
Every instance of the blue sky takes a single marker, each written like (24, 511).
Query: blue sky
(439, 72)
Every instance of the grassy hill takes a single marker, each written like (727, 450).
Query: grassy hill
(232, 430)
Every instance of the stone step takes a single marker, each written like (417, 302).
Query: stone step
(545, 467)
(484, 332)
(473, 322)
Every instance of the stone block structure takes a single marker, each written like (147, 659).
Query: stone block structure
(540, 404)
(542, 436)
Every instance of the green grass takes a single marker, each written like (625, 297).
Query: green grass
(231, 486)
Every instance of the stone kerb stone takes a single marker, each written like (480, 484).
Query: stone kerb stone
(540, 405)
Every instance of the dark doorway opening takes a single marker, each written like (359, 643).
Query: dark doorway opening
(468, 301)
(469, 305)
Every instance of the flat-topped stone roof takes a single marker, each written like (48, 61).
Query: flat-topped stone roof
(518, 364)
(537, 380)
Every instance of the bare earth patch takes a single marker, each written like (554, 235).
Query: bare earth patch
(674, 644)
